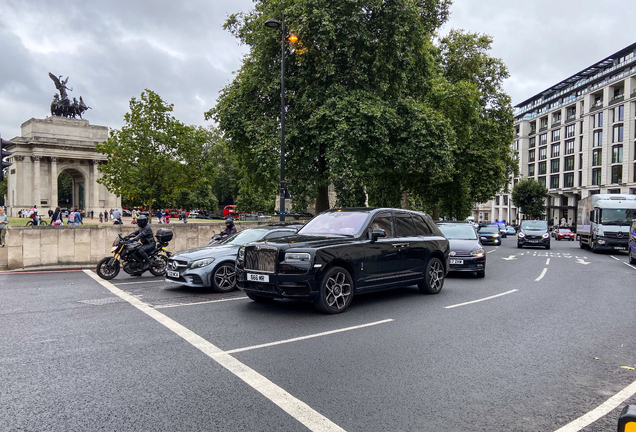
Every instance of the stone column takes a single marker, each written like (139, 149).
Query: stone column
(95, 186)
(36, 179)
(54, 174)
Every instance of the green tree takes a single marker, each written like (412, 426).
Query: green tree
(529, 197)
(64, 189)
(358, 111)
(154, 155)
(3, 190)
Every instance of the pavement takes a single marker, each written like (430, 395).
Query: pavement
(544, 340)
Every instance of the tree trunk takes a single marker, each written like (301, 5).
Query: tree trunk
(405, 200)
(435, 214)
(322, 200)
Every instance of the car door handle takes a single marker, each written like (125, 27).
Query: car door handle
(400, 245)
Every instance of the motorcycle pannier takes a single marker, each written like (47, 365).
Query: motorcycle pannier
(164, 235)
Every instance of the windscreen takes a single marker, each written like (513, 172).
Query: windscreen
(489, 229)
(246, 236)
(458, 232)
(564, 230)
(339, 223)
(536, 225)
(617, 216)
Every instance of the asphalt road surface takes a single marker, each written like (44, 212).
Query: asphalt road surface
(548, 338)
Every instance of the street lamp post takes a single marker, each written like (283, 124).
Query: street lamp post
(274, 24)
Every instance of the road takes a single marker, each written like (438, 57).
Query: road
(546, 338)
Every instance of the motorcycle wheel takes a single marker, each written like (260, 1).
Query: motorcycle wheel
(159, 265)
(106, 271)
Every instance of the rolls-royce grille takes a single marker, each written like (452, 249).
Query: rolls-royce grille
(260, 260)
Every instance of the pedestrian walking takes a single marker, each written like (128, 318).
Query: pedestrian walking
(4, 221)
(167, 217)
(184, 216)
(56, 217)
(106, 216)
(101, 217)
(92, 212)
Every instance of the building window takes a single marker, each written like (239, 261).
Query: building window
(554, 166)
(556, 149)
(597, 156)
(543, 123)
(597, 120)
(569, 163)
(569, 147)
(617, 135)
(617, 154)
(543, 153)
(596, 176)
(580, 178)
(618, 113)
(564, 200)
(505, 197)
(581, 144)
(613, 191)
(543, 139)
(533, 128)
(571, 113)
(597, 139)
(569, 131)
(530, 155)
(580, 162)
(542, 168)
(568, 180)
(556, 135)
(554, 181)
(531, 170)
(532, 142)
(556, 117)
(617, 174)
(541, 180)
(497, 200)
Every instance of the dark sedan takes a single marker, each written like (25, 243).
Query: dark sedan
(343, 252)
(489, 235)
(533, 233)
(467, 254)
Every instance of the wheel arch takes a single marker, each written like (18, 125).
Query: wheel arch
(339, 262)
(440, 256)
(224, 260)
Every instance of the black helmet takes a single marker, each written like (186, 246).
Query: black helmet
(142, 221)
(229, 221)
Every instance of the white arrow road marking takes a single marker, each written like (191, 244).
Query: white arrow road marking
(511, 257)
(582, 261)
(542, 274)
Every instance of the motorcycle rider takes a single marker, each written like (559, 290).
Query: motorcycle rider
(230, 229)
(147, 238)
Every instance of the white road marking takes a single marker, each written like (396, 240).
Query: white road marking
(306, 337)
(198, 303)
(542, 274)
(582, 261)
(614, 257)
(491, 251)
(132, 283)
(629, 265)
(601, 410)
(510, 257)
(547, 262)
(480, 300)
(296, 408)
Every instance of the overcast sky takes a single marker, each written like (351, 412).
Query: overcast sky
(112, 50)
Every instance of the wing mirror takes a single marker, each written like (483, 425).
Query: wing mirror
(376, 234)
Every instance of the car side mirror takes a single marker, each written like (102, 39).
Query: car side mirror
(376, 234)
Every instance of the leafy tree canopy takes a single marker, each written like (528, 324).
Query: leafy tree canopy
(373, 104)
(529, 196)
(153, 156)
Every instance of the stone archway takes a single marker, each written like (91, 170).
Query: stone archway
(76, 196)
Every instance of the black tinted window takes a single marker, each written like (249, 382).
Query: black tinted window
(279, 234)
(421, 226)
(382, 221)
(405, 226)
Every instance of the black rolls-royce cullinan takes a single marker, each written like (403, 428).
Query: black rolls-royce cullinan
(343, 252)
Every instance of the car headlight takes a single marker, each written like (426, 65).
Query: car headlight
(202, 263)
(522, 235)
(113, 249)
(546, 235)
(453, 253)
(477, 253)
(495, 235)
(241, 253)
(297, 257)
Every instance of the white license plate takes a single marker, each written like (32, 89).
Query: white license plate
(172, 274)
(456, 261)
(257, 277)
(533, 241)
(619, 247)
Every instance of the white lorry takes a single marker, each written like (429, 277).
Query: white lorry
(604, 221)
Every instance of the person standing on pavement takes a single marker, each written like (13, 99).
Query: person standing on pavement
(184, 216)
(106, 216)
(4, 221)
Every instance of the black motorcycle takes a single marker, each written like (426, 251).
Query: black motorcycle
(125, 250)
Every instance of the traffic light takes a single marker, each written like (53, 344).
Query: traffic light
(3, 154)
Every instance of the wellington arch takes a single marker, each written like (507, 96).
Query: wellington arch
(47, 148)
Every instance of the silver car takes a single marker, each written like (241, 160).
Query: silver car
(213, 266)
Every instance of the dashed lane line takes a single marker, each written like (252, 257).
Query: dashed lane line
(491, 251)
(615, 258)
(600, 411)
(481, 300)
(296, 408)
(133, 283)
(542, 274)
(199, 303)
(307, 337)
(547, 262)
(629, 265)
